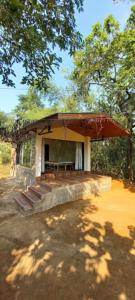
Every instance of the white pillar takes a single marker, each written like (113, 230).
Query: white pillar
(87, 154)
(38, 154)
(21, 154)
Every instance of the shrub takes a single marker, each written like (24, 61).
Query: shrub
(5, 153)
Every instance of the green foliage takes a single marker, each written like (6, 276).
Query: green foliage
(6, 120)
(29, 106)
(3, 119)
(29, 101)
(36, 105)
(70, 103)
(131, 20)
(30, 32)
(54, 98)
(27, 147)
(109, 157)
(5, 153)
(107, 61)
(36, 114)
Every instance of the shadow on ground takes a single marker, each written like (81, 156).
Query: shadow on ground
(130, 186)
(64, 255)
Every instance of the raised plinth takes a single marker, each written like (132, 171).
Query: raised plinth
(60, 187)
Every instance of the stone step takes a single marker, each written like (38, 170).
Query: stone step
(38, 191)
(35, 191)
(23, 203)
(31, 197)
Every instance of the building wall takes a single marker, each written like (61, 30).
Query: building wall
(64, 134)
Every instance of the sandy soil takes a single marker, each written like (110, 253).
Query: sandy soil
(79, 251)
(5, 170)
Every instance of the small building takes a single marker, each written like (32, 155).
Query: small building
(61, 142)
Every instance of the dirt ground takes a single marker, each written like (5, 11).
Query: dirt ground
(5, 170)
(79, 251)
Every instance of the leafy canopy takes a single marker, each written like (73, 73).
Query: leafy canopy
(107, 59)
(3, 118)
(32, 105)
(29, 101)
(6, 120)
(30, 32)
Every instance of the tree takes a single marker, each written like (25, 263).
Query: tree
(37, 104)
(31, 106)
(107, 61)
(6, 120)
(30, 32)
(74, 102)
(29, 101)
(53, 96)
(3, 118)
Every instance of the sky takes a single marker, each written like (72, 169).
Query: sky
(94, 10)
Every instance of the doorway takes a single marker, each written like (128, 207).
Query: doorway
(46, 152)
(46, 155)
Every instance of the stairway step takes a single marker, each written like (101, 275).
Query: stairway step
(37, 191)
(23, 203)
(33, 195)
(30, 197)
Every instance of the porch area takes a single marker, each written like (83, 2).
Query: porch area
(55, 188)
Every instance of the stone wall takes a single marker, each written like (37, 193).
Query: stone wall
(25, 175)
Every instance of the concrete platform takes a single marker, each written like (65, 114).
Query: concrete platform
(54, 189)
